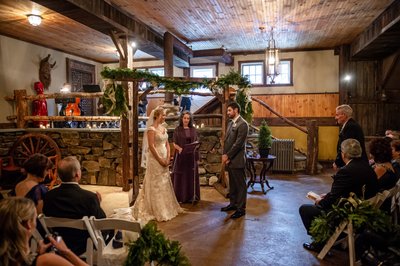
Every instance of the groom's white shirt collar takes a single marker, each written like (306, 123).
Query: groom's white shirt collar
(235, 119)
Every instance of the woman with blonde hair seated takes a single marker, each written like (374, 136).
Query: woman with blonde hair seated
(17, 223)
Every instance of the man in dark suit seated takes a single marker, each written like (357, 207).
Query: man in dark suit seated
(70, 201)
(350, 178)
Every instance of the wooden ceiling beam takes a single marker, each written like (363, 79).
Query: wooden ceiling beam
(104, 17)
(219, 55)
(381, 38)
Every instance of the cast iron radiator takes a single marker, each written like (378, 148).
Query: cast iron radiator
(283, 149)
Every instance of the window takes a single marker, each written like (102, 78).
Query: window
(157, 70)
(285, 73)
(203, 71)
(255, 70)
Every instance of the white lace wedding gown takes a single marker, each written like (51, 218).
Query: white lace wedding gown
(156, 200)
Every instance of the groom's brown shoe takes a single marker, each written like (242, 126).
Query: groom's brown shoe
(228, 208)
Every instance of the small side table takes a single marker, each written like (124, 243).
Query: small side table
(267, 164)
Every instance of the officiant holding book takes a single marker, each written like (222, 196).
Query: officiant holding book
(185, 169)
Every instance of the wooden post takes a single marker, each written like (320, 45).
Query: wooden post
(135, 141)
(126, 61)
(222, 186)
(21, 107)
(312, 147)
(168, 63)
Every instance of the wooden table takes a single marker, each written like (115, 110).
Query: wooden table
(267, 163)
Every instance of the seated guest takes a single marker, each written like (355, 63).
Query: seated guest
(381, 152)
(396, 155)
(70, 201)
(18, 221)
(352, 177)
(36, 168)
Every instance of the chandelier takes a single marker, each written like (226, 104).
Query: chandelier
(272, 59)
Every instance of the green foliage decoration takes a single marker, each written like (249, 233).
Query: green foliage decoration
(153, 246)
(264, 136)
(360, 212)
(182, 86)
(114, 100)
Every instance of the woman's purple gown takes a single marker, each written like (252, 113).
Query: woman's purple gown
(185, 176)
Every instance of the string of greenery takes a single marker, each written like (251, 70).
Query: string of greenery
(178, 86)
(360, 212)
(152, 246)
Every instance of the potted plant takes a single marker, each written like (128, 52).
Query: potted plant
(264, 140)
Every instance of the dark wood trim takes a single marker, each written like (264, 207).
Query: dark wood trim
(283, 50)
(8, 125)
(302, 121)
(219, 55)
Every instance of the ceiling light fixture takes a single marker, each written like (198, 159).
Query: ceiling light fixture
(34, 19)
(272, 58)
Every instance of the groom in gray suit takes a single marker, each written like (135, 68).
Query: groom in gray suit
(235, 161)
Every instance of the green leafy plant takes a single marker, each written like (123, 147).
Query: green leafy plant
(360, 212)
(177, 86)
(264, 136)
(152, 246)
(114, 100)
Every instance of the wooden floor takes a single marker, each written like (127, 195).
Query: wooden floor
(270, 234)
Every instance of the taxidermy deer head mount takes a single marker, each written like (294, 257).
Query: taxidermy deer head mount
(44, 71)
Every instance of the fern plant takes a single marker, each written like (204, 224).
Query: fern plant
(360, 212)
(152, 246)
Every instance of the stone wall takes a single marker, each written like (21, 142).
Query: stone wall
(99, 151)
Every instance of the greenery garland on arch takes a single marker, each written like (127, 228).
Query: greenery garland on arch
(177, 86)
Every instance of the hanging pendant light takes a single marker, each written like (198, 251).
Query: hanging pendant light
(272, 59)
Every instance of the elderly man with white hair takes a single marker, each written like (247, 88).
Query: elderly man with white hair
(350, 129)
(350, 178)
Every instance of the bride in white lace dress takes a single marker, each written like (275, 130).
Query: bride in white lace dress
(156, 200)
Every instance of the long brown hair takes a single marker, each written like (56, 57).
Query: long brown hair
(15, 213)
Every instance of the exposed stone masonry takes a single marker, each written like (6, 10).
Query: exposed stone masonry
(99, 151)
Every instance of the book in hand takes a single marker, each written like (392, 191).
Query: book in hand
(313, 196)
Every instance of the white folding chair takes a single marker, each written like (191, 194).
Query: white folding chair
(111, 224)
(347, 226)
(81, 224)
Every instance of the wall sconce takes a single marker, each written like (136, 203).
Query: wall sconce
(347, 78)
(34, 19)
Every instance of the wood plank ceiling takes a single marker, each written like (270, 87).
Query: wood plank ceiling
(200, 24)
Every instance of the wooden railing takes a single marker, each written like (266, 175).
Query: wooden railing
(312, 137)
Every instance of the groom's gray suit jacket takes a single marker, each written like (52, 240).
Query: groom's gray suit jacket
(235, 143)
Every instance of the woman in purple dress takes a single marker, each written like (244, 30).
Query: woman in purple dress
(185, 169)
